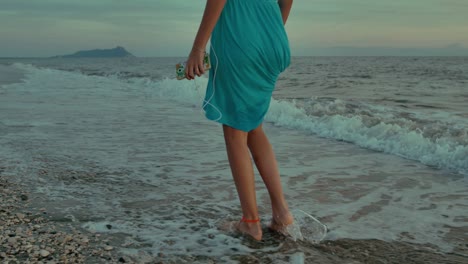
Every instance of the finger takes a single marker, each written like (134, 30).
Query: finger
(188, 73)
(192, 70)
(201, 69)
(202, 65)
(197, 71)
(188, 76)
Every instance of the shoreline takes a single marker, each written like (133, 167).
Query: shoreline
(31, 235)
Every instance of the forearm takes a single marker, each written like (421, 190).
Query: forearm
(211, 15)
(285, 7)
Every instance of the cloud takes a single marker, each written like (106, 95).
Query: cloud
(168, 27)
(450, 50)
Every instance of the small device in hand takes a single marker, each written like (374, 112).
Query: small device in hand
(180, 67)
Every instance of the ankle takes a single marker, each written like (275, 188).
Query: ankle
(250, 220)
(279, 211)
(251, 226)
(283, 218)
(254, 230)
(278, 203)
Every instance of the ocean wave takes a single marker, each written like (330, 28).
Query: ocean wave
(432, 140)
(439, 143)
(436, 143)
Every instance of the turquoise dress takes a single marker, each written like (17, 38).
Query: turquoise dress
(249, 49)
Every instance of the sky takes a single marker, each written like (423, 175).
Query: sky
(154, 28)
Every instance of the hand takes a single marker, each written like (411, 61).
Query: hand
(195, 64)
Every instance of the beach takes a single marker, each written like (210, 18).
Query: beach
(129, 164)
(34, 229)
(31, 235)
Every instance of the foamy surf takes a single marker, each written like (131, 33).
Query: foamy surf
(441, 143)
(307, 228)
(382, 132)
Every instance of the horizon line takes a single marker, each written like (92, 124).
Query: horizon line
(340, 55)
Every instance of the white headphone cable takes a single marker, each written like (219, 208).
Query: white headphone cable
(207, 102)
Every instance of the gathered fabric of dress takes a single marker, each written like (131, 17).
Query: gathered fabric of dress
(249, 49)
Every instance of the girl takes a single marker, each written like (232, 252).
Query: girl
(249, 50)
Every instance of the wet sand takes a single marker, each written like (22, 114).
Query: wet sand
(30, 235)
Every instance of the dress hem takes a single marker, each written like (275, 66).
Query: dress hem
(235, 126)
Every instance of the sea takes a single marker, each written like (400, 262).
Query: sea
(373, 147)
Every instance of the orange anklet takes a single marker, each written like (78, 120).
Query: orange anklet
(250, 220)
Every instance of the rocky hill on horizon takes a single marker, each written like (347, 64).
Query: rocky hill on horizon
(117, 52)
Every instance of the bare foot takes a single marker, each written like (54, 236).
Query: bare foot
(280, 222)
(253, 230)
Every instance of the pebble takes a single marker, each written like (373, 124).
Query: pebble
(67, 238)
(107, 248)
(12, 241)
(31, 236)
(20, 215)
(44, 253)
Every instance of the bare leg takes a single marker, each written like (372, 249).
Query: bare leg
(267, 166)
(243, 174)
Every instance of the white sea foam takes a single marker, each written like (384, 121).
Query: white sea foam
(444, 152)
(442, 144)
(403, 138)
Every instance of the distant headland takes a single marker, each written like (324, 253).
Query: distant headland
(117, 52)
